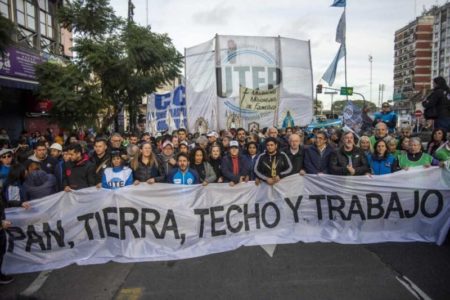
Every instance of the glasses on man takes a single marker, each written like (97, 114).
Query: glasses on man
(6, 156)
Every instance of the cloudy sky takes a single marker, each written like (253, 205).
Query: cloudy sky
(370, 29)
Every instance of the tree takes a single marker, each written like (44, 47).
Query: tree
(117, 63)
(6, 30)
(338, 106)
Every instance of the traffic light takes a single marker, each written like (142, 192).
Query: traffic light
(319, 89)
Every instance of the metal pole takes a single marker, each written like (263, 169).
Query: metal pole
(345, 46)
(146, 12)
(370, 60)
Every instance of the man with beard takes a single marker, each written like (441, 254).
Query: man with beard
(273, 164)
(183, 174)
(349, 160)
(79, 172)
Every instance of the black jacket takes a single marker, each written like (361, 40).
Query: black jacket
(144, 172)
(79, 175)
(438, 99)
(339, 161)
(263, 165)
(100, 164)
(296, 160)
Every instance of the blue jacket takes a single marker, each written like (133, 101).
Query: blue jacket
(390, 118)
(227, 168)
(117, 177)
(314, 163)
(176, 176)
(39, 184)
(382, 166)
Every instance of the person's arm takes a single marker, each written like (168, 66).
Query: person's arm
(364, 167)
(91, 176)
(258, 169)
(286, 162)
(335, 169)
(210, 174)
(161, 172)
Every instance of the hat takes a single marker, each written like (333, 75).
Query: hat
(167, 143)
(56, 146)
(212, 133)
(115, 153)
(183, 143)
(4, 151)
(234, 144)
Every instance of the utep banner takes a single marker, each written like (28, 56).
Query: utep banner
(216, 69)
(166, 111)
(166, 222)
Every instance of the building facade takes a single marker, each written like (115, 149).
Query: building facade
(38, 38)
(441, 43)
(412, 62)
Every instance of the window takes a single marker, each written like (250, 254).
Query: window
(46, 12)
(4, 8)
(26, 14)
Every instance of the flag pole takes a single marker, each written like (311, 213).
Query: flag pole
(345, 47)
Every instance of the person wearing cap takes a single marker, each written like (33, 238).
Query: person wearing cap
(273, 164)
(183, 147)
(182, 174)
(349, 160)
(204, 170)
(79, 172)
(386, 116)
(212, 139)
(316, 158)
(167, 157)
(56, 151)
(118, 175)
(235, 166)
(48, 163)
(147, 167)
(6, 159)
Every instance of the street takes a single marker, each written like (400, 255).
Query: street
(296, 271)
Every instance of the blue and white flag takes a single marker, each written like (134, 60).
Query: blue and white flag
(340, 30)
(339, 3)
(352, 117)
(166, 110)
(330, 73)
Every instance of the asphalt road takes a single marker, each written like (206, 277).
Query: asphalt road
(298, 271)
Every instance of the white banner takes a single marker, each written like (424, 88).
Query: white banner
(166, 222)
(215, 71)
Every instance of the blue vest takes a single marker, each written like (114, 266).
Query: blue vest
(114, 178)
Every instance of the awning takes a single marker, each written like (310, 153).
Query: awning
(17, 83)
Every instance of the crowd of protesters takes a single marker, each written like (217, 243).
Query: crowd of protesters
(44, 164)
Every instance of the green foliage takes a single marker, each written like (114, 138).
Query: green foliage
(117, 63)
(6, 30)
(338, 106)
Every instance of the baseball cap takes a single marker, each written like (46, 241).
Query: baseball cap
(212, 133)
(56, 146)
(4, 151)
(167, 143)
(184, 143)
(234, 144)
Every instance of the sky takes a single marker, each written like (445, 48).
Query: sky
(371, 25)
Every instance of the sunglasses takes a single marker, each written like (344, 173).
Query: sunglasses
(6, 156)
